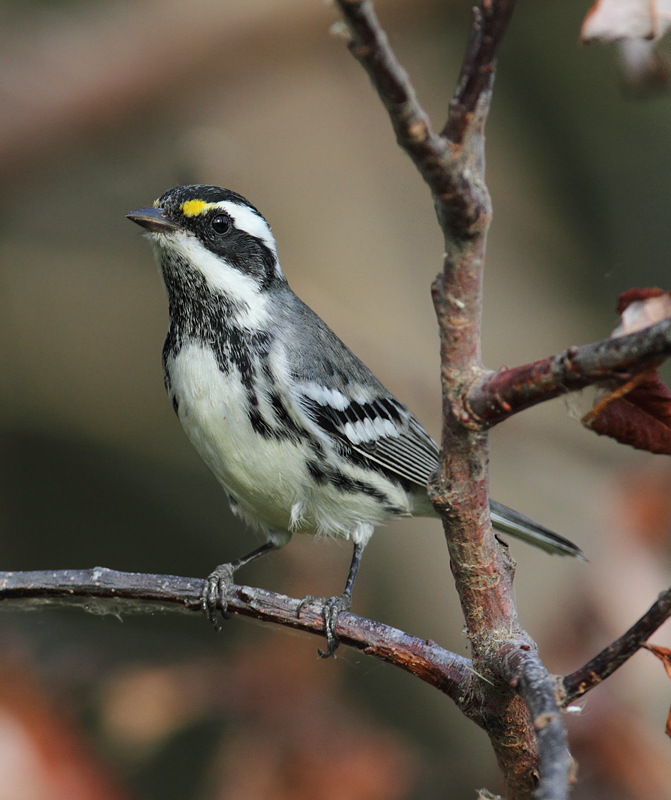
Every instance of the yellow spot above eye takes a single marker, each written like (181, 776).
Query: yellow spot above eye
(156, 203)
(193, 208)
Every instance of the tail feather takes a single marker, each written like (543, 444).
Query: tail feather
(512, 522)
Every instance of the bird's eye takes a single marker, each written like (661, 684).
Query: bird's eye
(221, 223)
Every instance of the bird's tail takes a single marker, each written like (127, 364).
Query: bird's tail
(506, 520)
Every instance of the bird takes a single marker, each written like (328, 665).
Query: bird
(298, 431)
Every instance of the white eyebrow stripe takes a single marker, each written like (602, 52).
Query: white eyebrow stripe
(248, 221)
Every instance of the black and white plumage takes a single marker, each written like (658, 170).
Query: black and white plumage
(299, 432)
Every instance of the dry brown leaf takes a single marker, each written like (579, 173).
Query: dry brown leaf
(638, 412)
(640, 308)
(641, 419)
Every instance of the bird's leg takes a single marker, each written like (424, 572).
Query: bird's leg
(219, 582)
(332, 606)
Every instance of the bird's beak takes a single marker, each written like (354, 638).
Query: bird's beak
(153, 220)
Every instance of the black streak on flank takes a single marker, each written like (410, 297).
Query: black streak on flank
(286, 421)
(259, 425)
(322, 475)
(286, 428)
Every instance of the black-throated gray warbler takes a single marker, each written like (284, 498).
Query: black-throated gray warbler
(298, 431)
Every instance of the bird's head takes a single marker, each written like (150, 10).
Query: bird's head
(214, 232)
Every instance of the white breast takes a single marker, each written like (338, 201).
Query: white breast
(264, 479)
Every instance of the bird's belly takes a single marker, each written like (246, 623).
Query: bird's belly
(212, 407)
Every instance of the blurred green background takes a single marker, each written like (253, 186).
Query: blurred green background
(105, 105)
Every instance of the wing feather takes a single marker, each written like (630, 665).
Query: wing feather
(382, 431)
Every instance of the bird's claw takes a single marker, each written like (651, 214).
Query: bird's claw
(309, 598)
(214, 593)
(330, 609)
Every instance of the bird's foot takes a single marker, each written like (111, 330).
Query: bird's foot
(219, 583)
(330, 608)
(214, 593)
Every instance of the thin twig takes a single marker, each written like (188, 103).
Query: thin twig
(614, 656)
(498, 395)
(104, 590)
(490, 21)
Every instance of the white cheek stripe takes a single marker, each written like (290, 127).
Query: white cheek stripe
(218, 273)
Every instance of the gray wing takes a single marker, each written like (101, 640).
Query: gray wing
(379, 432)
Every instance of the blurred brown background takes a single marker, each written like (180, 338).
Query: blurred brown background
(105, 105)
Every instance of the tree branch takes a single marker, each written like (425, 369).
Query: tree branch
(527, 674)
(498, 395)
(107, 591)
(614, 656)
